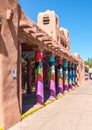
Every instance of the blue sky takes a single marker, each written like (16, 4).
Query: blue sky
(75, 15)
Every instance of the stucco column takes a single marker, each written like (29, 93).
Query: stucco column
(60, 77)
(52, 77)
(39, 78)
(70, 75)
(77, 75)
(73, 75)
(82, 73)
(66, 86)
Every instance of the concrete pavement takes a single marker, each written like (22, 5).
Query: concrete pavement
(71, 112)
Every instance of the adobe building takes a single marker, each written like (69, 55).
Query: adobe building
(45, 48)
(49, 22)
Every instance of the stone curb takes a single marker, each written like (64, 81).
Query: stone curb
(1, 128)
(66, 92)
(49, 101)
(59, 96)
(70, 90)
(34, 109)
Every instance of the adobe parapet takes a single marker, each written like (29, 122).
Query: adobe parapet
(49, 22)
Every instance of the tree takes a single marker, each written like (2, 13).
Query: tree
(89, 62)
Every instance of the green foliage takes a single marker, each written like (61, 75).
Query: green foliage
(89, 63)
(24, 64)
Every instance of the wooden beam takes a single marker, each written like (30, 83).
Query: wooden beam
(26, 24)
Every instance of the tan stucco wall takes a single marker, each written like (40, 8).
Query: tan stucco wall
(9, 96)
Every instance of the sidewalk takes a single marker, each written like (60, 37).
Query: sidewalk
(71, 112)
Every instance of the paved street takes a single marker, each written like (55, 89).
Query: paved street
(71, 112)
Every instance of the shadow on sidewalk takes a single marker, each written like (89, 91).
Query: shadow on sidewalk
(29, 100)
